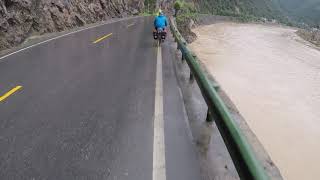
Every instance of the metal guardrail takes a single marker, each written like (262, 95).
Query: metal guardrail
(243, 157)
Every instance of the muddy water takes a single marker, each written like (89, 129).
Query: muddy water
(273, 77)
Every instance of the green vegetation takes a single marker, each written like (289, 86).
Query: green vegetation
(306, 11)
(245, 10)
(187, 11)
(289, 12)
(185, 7)
(182, 18)
(178, 5)
(149, 7)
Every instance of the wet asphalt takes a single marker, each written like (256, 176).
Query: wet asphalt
(85, 110)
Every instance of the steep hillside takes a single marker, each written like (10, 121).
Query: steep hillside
(293, 11)
(260, 8)
(302, 11)
(22, 18)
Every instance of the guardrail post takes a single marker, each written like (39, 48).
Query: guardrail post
(191, 78)
(209, 117)
(215, 86)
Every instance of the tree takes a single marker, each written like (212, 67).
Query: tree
(177, 7)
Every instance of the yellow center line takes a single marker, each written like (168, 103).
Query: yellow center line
(6, 95)
(102, 38)
(130, 25)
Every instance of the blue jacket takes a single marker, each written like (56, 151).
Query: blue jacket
(160, 22)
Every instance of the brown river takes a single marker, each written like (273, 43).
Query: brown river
(273, 77)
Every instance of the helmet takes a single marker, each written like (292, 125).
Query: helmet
(160, 12)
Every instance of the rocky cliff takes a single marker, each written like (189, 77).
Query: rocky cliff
(21, 18)
(312, 36)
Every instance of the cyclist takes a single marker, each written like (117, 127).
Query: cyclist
(160, 22)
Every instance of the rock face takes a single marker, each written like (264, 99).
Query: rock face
(185, 26)
(21, 18)
(312, 36)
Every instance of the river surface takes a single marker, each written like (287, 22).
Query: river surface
(273, 77)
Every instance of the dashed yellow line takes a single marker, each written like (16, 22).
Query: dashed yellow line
(102, 38)
(130, 25)
(6, 95)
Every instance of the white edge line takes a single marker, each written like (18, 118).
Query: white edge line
(73, 32)
(159, 159)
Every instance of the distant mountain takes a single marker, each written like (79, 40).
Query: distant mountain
(302, 10)
(270, 9)
(307, 11)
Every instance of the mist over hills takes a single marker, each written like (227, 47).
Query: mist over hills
(294, 11)
(307, 11)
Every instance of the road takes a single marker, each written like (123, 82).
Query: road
(87, 105)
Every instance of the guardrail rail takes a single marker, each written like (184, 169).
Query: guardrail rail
(241, 152)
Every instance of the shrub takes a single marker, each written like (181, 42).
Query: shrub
(177, 5)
